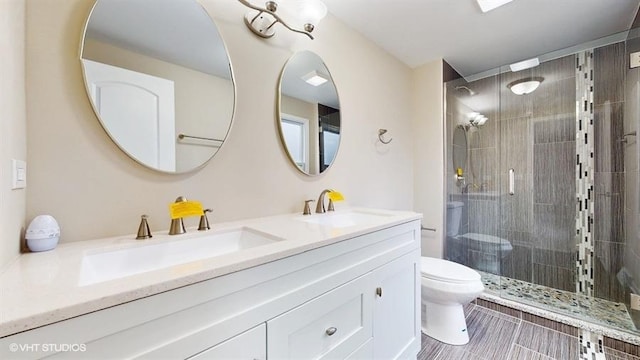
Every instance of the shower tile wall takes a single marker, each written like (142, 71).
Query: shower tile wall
(632, 172)
(584, 172)
(537, 133)
(609, 231)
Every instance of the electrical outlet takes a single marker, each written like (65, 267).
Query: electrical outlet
(634, 60)
(635, 302)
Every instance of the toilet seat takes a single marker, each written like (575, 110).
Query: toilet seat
(447, 271)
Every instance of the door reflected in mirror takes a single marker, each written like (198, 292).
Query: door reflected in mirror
(159, 79)
(309, 113)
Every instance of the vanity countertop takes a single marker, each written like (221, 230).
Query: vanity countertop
(43, 288)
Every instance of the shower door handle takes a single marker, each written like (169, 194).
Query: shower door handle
(512, 176)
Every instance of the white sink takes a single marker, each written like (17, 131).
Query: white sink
(344, 219)
(113, 264)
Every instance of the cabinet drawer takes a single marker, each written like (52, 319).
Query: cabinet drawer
(364, 352)
(331, 326)
(251, 344)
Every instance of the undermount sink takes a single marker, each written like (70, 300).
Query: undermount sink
(108, 265)
(344, 219)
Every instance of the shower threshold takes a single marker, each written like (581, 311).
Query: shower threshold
(585, 308)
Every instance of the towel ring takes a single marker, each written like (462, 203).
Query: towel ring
(381, 133)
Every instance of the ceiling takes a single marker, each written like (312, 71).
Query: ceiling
(179, 32)
(419, 31)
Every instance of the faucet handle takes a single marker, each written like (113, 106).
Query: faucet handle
(204, 221)
(330, 207)
(307, 209)
(143, 229)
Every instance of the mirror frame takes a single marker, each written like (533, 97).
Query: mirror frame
(233, 104)
(279, 113)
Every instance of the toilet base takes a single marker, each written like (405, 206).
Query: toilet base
(445, 323)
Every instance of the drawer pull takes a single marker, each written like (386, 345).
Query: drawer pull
(330, 331)
(379, 292)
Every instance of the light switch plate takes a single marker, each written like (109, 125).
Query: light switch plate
(634, 59)
(635, 302)
(19, 174)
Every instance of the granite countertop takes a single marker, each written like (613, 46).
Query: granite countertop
(43, 288)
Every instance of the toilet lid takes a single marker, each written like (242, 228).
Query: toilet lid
(443, 270)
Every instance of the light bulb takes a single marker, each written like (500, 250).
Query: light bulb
(311, 12)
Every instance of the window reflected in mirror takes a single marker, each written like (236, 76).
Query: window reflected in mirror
(309, 113)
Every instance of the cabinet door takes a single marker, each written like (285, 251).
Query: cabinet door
(396, 319)
(251, 344)
(331, 326)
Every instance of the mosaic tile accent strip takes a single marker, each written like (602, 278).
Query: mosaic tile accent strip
(587, 308)
(591, 346)
(584, 172)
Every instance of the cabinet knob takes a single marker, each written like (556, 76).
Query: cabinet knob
(330, 331)
(379, 292)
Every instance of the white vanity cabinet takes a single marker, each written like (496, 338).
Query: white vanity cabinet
(376, 311)
(354, 299)
(396, 310)
(251, 344)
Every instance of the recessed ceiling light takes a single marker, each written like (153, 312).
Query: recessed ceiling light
(315, 79)
(488, 5)
(526, 64)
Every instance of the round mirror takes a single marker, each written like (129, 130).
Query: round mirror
(159, 79)
(309, 113)
(459, 148)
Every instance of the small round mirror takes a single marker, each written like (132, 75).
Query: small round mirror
(459, 148)
(309, 113)
(159, 79)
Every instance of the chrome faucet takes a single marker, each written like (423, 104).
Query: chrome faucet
(320, 209)
(177, 225)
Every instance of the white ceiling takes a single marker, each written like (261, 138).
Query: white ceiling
(179, 32)
(418, 31)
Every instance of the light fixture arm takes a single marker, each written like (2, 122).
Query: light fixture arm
(278, 19)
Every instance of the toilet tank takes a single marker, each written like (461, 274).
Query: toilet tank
(454, 216)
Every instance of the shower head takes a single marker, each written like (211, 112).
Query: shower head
(462, 87)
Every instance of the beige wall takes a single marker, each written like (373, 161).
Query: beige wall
(428, 162)
(79, 176)
(12, 124)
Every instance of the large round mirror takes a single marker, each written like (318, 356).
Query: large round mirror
(159, 79)
(459, 148)
(309, 113)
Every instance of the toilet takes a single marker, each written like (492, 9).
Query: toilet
(480, 251)
(446, 287)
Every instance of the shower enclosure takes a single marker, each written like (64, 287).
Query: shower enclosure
(542, 186)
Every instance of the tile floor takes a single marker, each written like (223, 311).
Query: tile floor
(494, 335)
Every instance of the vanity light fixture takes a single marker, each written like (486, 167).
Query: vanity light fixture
(525, 86)
(261, 20)
(488, 5)
(314, 78)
